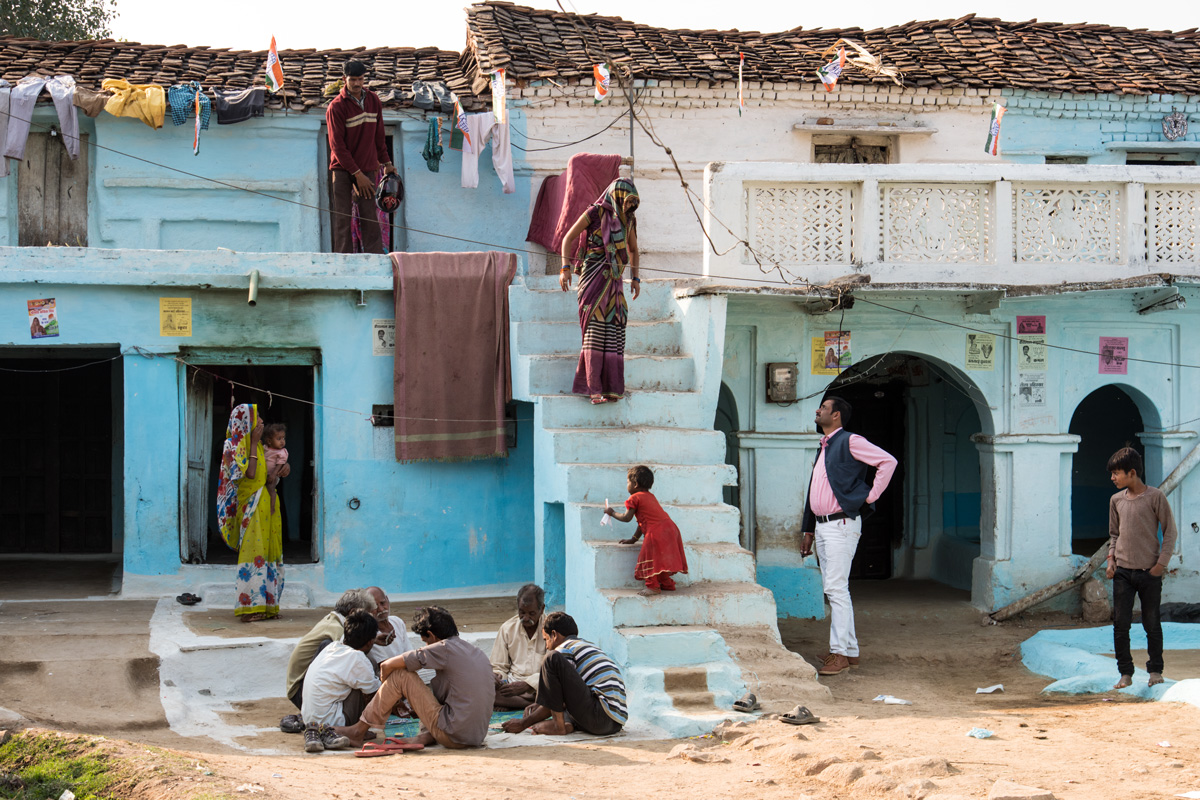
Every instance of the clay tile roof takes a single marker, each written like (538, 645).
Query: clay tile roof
(306, 72)
(969, 52)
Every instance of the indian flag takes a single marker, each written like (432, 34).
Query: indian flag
(992, 147)
(741, 98)
(830, 73)
(601, 74)
(499, 102)
(460, 118)
(274, 69)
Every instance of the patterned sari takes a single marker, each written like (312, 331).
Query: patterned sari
(246, 521)
(603, 310)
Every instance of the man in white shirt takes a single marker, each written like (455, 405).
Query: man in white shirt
(340, 682)
(519, 649)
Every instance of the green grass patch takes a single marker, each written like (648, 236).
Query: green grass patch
(47, 765)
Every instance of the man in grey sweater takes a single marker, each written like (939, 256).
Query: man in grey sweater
(1136, 560)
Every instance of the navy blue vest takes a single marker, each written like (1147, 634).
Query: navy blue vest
(847, 477)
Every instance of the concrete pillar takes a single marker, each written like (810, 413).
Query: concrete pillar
(1162, 453)
(1025, 530)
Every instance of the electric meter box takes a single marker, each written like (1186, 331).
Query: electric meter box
(781, 382)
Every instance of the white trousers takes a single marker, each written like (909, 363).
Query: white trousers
(22, 98)
(482, 127)
(835, 543)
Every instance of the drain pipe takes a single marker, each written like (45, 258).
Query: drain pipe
(1096, 561)
(253, 299)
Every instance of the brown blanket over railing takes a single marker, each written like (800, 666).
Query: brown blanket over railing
(452, 378)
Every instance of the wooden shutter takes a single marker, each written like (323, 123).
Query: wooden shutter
(52, 193)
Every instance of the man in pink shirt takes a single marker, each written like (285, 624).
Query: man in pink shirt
(839, 497)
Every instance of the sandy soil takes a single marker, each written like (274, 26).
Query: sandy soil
(921, 642)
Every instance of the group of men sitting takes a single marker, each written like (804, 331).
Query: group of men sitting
(356, 668)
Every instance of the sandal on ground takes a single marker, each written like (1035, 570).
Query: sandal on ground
(799, 716)
(292, 723)
(389, 747)
(747, 704)
(188, 599)
(598, 400)
(258, 616)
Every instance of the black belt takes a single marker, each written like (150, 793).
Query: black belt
(834, 517)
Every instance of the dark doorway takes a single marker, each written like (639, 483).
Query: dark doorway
(1105, 421)
(727, 423)
(277, 386)
(56, 477)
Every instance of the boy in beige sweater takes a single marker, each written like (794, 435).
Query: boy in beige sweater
(1136, 560)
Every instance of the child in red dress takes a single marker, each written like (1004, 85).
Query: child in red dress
(662, 552)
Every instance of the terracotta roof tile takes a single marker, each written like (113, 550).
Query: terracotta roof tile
(306, 72)
(967, 52)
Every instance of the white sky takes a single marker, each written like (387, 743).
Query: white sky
(442, 23)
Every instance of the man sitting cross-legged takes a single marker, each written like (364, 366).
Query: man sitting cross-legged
(519, 649)
(339, 683)
(577, 680)
(456, 707)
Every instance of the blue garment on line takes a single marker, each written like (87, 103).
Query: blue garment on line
(181, 99)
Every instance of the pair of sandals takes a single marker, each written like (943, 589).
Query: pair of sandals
(800, 715)
(388, 747)
(188, 599)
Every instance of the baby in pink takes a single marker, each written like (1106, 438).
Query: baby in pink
(275, 446)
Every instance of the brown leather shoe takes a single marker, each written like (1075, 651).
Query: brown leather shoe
(852, 659)
(835, 664)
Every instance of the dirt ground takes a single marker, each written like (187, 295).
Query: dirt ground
(920, 642)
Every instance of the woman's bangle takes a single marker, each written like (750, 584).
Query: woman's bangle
(564, 268)
(635, 279)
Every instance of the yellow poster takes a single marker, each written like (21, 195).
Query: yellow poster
(823, 363)
(174, 316)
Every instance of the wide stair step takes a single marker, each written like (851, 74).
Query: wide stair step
(653, 408)
(698, 524)
(555, 374)
(703, 603)
(715, 563)
(539, 299)
(642, 337)
(673, 483)
(637, 445)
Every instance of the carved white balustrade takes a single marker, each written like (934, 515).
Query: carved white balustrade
(946, 223)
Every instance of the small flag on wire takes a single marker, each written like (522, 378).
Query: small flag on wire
(499, 101)
(460, 118)
(274, 69)
(196, 138)
(830, 73)
(992, 147)
(601, 74)
(741, 97)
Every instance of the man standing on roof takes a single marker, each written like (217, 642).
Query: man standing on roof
(357, 148)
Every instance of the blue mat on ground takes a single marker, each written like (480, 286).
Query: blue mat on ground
(406, 728)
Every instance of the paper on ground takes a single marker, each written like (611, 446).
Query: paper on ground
(999, 687)
(887, 699)
(979, 733)
(1189, 794)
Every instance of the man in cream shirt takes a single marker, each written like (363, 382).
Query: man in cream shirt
(519, 649)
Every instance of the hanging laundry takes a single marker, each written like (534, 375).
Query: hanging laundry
(563, 197)
(274, 69)
(460, 120)
(89, 101)
(146, 102)
(5, 99)
(22, 98)
(239, 105)
(601, 74)
(499, 101)
(477, 130)
(188, 100)
(992, 145)
(830, 73)
(433, 146)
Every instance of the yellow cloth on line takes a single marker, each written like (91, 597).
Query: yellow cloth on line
(144, 101)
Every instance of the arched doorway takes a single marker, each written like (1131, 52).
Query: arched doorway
(1105, 421)
(924, 412)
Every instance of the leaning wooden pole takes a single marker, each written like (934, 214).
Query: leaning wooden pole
(1096, 561)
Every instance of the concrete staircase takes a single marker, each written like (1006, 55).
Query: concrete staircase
(678, 668)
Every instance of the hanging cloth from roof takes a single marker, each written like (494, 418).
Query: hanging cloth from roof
(188, 99)
(144, 101)
(433, 146)
(89, 101)
(239, 105)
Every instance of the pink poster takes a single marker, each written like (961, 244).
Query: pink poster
(1031, 325)
(1114, 350)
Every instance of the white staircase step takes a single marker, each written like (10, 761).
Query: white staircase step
(555, 374)
(719, 562)
(673, 483)
(666, 646)
(642, 337)
(701, 603)
(698, 524)
(659, 409)
(638, 444)
(540, 299)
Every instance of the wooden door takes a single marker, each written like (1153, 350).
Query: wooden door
(52, 193)
(199, 420)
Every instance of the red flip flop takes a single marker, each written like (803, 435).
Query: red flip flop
(390, 747)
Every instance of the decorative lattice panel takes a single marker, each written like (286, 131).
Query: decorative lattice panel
(1068, 225)
(1172, 222)
(939, 224)
(810, 224)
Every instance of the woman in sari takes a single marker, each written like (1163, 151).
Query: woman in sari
(609, 245)
(247, 523)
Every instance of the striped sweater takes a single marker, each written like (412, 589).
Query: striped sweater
(600, 674)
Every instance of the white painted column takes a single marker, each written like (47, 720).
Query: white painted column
(1134, 233)
(1025, 525)
(868, 236)
(1003, 231)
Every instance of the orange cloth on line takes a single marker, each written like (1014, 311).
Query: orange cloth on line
(144, 101)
